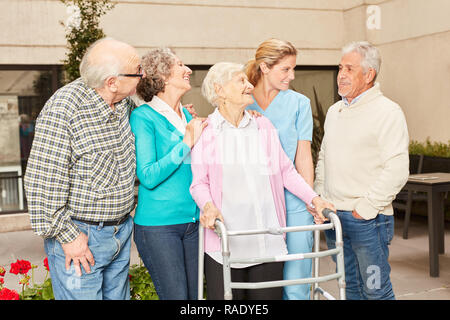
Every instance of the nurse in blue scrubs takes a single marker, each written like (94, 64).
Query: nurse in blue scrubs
(290, 112)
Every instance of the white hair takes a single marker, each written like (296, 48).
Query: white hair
(370, 56)
(95, 74)
(220, 73)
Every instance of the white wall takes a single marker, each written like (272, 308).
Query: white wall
(414, 41)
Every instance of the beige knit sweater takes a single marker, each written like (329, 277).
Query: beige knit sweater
(363, 162)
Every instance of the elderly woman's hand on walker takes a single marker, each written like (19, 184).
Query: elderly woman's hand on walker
(319, 205)
(210, 215)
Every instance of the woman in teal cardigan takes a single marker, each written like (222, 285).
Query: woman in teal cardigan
(166, 218)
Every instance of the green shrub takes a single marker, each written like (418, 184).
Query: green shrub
(141, 285)
(428, 148)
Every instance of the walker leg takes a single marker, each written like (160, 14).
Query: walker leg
(316, 264)
(227, 294)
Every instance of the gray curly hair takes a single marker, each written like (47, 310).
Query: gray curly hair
(157, 65)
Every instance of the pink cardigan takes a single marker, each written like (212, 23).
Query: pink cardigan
(207, 174)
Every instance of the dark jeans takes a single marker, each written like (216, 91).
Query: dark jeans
(170, 253)
(366, 256)
(261, 272)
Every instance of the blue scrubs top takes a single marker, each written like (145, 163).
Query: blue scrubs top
(290, 113)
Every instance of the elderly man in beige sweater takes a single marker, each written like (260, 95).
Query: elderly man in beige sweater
(363, 163)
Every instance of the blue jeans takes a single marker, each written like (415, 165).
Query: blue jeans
(170, 254)
(298, 242)
(108, 278)
(366, 255)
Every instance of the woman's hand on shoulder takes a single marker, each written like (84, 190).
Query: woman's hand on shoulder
(194, 130)
(190, 108)
(254, 113)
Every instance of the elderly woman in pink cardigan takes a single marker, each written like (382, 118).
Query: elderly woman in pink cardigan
(239, 174)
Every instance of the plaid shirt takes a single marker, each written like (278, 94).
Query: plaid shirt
(82, 163)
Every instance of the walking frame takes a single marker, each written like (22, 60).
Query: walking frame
(223, 233)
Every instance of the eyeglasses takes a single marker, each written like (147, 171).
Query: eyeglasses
(139, 74)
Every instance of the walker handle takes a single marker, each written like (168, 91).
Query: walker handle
(326, 213)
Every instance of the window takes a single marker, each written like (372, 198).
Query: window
(23, 92)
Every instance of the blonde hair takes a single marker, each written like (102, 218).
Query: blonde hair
(270, 52)
(220, 74)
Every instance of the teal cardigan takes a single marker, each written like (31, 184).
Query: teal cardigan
(163, 169)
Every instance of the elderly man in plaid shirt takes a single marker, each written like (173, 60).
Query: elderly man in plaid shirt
(79, 181)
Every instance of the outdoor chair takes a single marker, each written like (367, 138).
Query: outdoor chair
(405, 197)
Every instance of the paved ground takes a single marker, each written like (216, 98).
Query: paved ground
(408, 258)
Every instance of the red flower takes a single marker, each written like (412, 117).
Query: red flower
(46, 264)
(6, 294)
(2, 281)
(2, 272)
(21, 266)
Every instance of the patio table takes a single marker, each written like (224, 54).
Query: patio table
(435, 185)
